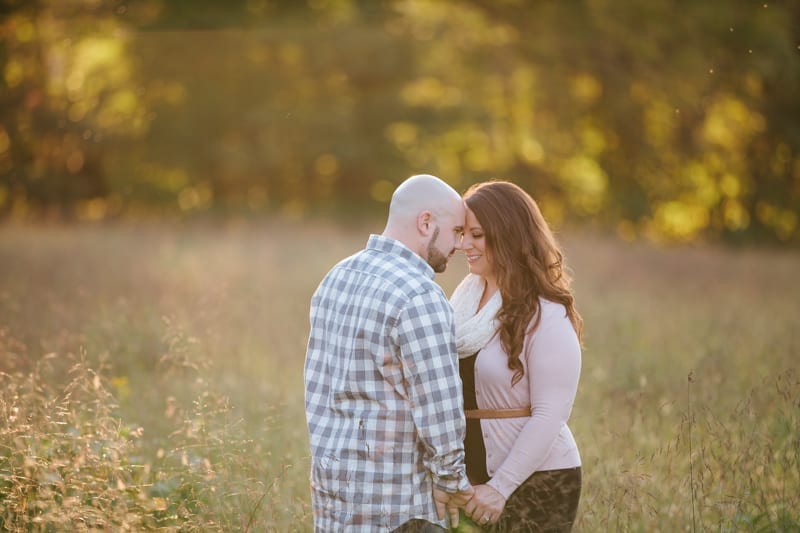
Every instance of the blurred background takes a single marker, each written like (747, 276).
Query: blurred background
(176, 176)
(671, 120)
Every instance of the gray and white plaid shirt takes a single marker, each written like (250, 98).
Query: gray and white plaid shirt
(383, 393)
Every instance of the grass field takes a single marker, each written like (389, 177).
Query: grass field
(152, 379)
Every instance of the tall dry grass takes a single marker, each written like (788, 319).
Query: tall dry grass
(687, 413)
(152, 379)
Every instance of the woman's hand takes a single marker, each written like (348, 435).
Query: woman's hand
(486, 505)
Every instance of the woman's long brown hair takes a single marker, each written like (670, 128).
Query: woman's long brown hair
(527, 262)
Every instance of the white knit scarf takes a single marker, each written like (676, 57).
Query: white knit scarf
(474, 328)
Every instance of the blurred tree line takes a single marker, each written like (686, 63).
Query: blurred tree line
(670, 119)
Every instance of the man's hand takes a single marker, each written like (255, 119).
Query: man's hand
(449, 502)
(486, 506)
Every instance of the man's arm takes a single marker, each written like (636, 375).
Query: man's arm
(426, 336)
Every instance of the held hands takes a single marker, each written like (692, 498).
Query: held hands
(486, 505)
(449, 502)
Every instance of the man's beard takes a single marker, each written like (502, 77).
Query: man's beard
(436, 259)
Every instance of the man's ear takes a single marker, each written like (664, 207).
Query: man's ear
(425, 223)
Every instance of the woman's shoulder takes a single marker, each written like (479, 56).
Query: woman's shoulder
(551, 311)
(554, 328)
(553, 317)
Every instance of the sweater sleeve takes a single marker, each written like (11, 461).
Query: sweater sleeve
(554, 365)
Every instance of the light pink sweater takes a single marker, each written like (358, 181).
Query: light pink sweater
(518, 447)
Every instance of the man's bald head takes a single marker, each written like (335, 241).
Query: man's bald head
(427, 215)
(420, 193)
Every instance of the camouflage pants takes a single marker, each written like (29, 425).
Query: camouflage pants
(545, 502)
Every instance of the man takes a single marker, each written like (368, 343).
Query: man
(383, 393)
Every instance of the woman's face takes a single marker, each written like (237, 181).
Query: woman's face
(475, 248)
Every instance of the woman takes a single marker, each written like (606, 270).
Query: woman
(518, 334)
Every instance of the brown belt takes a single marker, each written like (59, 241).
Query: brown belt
(498, 413)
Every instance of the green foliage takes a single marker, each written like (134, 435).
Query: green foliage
(663, 120)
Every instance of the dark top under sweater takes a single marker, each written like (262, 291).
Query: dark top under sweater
(475, 457)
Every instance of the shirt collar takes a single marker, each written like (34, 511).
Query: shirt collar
(392, 246)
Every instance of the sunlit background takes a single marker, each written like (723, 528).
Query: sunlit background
(176, 176)
(669, 120)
